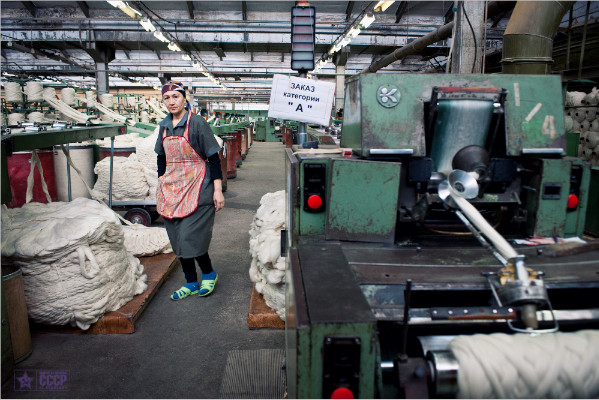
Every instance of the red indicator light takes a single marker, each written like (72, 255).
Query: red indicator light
(572, 201)
(314, 202)
(342, 393)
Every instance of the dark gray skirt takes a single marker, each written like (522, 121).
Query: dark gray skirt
(190, 236)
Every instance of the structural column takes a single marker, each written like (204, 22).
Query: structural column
(468, 49)
(102, 76)
(340, 88)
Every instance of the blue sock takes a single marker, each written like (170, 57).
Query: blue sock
(193, 286)
(209, 276)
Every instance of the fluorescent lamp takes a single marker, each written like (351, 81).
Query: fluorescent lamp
(160, 36)
(147, 24)
(173, 46)
(382, 6)
(117, 4)
(353, 32)
(344, 42)
(367, 20)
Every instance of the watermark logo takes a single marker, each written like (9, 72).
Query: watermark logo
(41, 380)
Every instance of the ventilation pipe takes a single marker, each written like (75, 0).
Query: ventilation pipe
(528, 37)
(443, 32)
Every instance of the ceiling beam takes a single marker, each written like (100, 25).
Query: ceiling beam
(448, 17)
(55, 57)
(219, 51)
(401, 10)
(348, 11)
(30, 7)
(190, 9)
(84, 8)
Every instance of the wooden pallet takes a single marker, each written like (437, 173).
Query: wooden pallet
(123, 320)
(262, 316)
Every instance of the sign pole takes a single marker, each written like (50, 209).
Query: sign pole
(301, 129)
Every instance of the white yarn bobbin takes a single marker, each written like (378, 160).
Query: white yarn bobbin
(67, 95)
(15, 118)
(569, 123)
(591, 114)
(574, 98)
(35, 116)
(589, 100)
(579, 114)
(145, 117)
(33, 91)
(13, 92)
(592, 139)
(107, 100)
(585, 125)
(49, 92)
(90, 95)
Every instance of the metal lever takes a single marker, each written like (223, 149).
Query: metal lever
(403, 356)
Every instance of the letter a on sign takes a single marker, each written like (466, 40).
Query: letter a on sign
(299, 107)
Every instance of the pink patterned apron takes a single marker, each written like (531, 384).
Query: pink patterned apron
(179, 188)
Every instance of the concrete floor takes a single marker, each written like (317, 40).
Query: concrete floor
(179, 349)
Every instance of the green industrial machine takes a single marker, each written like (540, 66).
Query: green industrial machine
(409, 239)
(265, 131)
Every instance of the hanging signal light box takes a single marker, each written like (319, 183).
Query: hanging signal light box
(303, 27)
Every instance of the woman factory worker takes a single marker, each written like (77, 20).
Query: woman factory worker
(189, 188)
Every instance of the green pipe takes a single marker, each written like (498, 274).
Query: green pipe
(528, 37)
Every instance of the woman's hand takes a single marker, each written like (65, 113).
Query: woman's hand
(218, 198)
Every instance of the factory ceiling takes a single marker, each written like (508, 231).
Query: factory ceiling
(240, 43)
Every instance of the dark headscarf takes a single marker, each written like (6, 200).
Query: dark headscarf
(178, 86)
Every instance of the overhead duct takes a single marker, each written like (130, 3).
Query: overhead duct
(440, 33)
(528, 37)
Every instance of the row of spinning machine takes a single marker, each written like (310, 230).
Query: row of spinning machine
(398, 249)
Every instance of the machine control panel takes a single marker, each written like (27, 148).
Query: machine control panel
(341, 367)
(314, 187)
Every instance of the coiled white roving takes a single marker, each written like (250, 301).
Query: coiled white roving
(556, 365)
(75, 265)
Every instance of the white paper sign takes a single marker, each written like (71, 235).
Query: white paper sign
(301, 99)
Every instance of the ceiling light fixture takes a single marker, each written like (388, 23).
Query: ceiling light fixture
(160, 36)
(367, 20)
(126, 8)
(382, 6)
(173, 46)
(147, 24)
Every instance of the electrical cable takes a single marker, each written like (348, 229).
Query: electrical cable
(485, 38)
(324, 55)
(473, 37)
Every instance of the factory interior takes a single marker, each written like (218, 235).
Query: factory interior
(411, 199)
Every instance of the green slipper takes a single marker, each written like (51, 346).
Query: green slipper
(182, 293)
(207, 286)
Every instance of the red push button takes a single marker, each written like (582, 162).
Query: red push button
(314, 202)
(572, 201)
(342, 393)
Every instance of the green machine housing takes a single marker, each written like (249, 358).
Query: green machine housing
(265, 130)
(361, 225)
